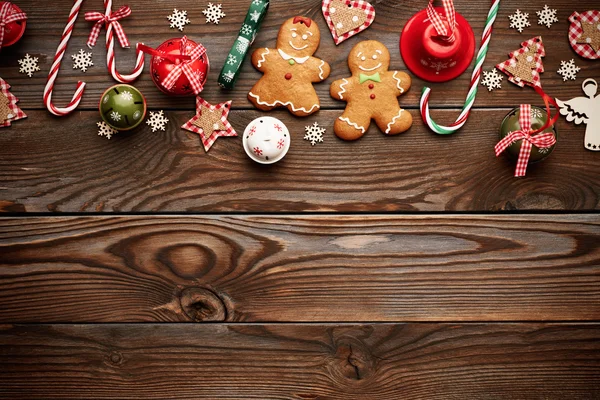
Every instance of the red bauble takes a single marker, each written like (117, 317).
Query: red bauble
(161, 67)
(430, 58)
(13, 31)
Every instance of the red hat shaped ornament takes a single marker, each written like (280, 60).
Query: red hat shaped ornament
(12, 23)
(437, 44)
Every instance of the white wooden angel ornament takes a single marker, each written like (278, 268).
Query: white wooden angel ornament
(586, 110)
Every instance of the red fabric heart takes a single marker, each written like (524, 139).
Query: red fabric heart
(357, 8)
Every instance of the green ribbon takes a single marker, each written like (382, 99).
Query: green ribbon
(363, 78)
(233, 64)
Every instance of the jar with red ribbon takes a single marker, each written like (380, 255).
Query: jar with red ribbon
(179, 67)
(12, 23)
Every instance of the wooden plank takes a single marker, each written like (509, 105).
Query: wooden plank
(383, 362)
(47, 164)
(295, 269)
(149, 24)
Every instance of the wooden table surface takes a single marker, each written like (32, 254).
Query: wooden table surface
(408, 267)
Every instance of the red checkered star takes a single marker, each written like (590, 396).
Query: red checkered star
(210, 122)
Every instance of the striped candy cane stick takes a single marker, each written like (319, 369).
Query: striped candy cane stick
(60, 52)
(464, 115)
(110, 53)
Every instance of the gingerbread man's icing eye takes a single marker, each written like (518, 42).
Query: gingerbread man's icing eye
(305, 37)
(363, 58)
(294, 34)
(374, 56)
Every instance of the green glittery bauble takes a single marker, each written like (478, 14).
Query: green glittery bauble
(538, 119)
(122, 107)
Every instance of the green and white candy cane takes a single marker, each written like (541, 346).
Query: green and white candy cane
(231, 70)
(464, 115)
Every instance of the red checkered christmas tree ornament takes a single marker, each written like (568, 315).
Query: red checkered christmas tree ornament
(525, 65)
(179, 67)
(437, 43)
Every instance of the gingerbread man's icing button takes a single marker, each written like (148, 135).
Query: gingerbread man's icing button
(266, 140)
(288, 76)
(373, 97)
(371, 86)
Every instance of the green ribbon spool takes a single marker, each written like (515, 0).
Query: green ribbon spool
(231, 70)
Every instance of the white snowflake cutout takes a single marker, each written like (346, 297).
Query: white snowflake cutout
(178, 19)
(547, 16)
(314, 133)
(82, 60)
(29, 65)
(519, 20)
(105, 130)
(213, 13)
(568, 70)
(157, 120)
(115, 116)
(492, 79)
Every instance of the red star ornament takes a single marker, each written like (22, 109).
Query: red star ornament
(210, 122)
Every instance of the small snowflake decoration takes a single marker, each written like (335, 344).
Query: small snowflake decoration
(157, 121)
(231, 59)
(568, 70)
(213, 13)
(29, 65)
(178, 19)
(115, 116)
(536, 113)
(105, 130)
(82, 60)
(546, 16)
(519, 20)
(314, 133)
(246, 29)
(492, 79)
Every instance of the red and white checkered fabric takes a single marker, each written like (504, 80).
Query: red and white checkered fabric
(113, 19)
(184, 68)
(444, 24)
(8, 15)
(17, 112)
(528, 139)
(208, 139)
(540, 52)
(358, 4)
(575, 31)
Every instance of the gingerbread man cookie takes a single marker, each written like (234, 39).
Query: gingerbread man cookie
(290, 70)
(371, 93)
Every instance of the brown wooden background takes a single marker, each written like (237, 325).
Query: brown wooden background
(409, 267)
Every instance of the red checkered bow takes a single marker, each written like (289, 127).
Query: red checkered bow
(444, 25)
(525, 134)
(182, 65)
(6, 18)
(112, 19)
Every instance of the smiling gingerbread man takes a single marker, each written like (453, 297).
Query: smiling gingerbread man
(290, 69)
(371, 93)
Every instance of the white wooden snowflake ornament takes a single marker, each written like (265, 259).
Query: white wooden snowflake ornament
(546, 16)
(519, 20)
(178, 19)
(492, 79)
(82, 60)
(585, 109)
(314, 133)
(157, 121)
(105, 130)
(568, 70)
(29, 65)
(213, 13)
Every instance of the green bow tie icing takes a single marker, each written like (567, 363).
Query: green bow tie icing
(363, 78)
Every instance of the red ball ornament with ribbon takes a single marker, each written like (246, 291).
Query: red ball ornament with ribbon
(437, 43)
(179, 67)
(12, 23)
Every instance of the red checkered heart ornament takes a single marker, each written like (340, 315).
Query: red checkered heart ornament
(347, 18)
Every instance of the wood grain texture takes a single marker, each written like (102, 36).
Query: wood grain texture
(62, 165)
(290, 269)
(300, 362)
(149, 25)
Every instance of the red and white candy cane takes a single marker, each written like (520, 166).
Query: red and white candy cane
(111, 20)
(60, 52)
(464, 115)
